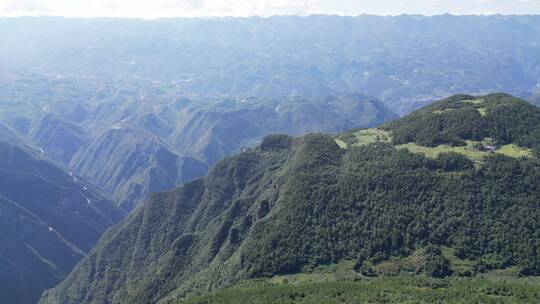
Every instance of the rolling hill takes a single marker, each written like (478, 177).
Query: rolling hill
(291, 206)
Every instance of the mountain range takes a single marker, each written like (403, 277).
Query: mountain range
(406, 61)
(135, 138)
(457, 176)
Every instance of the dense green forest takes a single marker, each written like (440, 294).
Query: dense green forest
(384, 290)
(500, 117)
(431, 274)
(293, 205)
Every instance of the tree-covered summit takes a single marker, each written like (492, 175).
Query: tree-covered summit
(501, 117)
(473, 126)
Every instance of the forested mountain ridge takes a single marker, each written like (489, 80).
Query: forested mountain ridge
(49, 220)
(134, 137)
(501, 117)
(469, 125)
(291, 205)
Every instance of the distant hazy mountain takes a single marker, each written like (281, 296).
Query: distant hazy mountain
(135, 137)
(58, 136)
(49, 220)
(130, 163)
(406, 61)
(467, 182)
(534, 99)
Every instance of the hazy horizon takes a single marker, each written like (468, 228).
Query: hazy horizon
(264, 17)
(264, 8)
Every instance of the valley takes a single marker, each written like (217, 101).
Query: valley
(49, 220)
(130, 148)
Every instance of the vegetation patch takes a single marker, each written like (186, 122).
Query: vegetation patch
(473, 101)
(474, 150)
(468, 150)
(342, 271)
(341, 143)
(513, 150)
(441, 111)
(377, 290)
(430, 274)
(482, 111)
(368, 136)
(505, 119)
(363, 137)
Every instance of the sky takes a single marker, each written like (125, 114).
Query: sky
(207, 8)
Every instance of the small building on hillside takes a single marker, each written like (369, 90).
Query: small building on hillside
(490, 148)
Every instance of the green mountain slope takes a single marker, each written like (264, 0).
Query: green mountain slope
(500, 117)
(292, 205)
(49, 220)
